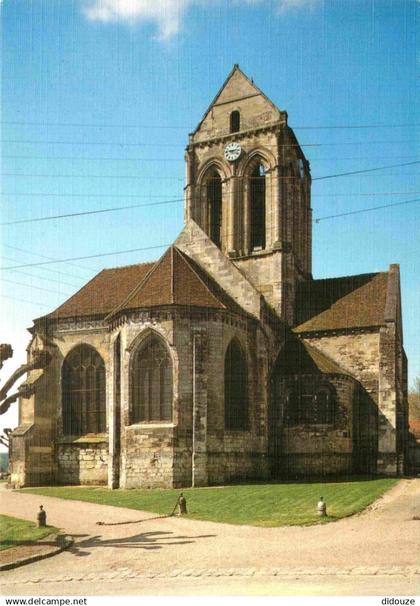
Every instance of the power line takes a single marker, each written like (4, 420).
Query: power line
(25, 273)
(24, 301)
(114, 159)
(72, 195)
(29, 252)
(141, 177)
(351, 126)
(118, 252)
(101, 158)
(356, 172)
(51, 271)
(37, 287)
(137, 144)
(367, 170)
(365, 210)
(81, 195)
(104, 125)
(91, 212)
(115, 209)
(383, 193)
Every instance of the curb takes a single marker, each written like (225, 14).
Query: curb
(63, 542)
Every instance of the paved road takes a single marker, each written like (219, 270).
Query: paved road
(375, 553)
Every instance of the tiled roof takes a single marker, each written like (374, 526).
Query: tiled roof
(103, 293)
(177, 280)
(414, 428)
(339, 303)
(173, 280)
(298, 357)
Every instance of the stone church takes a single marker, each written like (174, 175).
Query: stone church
(224, 360)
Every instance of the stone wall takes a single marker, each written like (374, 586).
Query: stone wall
(194, 243)
(148, 456)
(83, 462)
(356, 352)
(319, 449)
(172, 454)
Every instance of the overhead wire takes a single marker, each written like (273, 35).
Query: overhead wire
(25, 301)
(91, 212)
(50, 271)
(30, 252)
(115, 209)
(366, 210)
(36, 287)
(110, 254)
(120, 252)
(115, 159)
(355, 172)
(42, 278)
(81, 195)
(148, 144)
(175, 126)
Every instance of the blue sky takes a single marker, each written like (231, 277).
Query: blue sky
(98, 98)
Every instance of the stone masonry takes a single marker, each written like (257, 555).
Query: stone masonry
(225, 360)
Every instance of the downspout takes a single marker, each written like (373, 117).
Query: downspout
(194, 406)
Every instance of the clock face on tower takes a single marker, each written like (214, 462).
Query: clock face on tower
(232, 151)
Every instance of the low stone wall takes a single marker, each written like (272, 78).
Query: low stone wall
(294, 465)
(147, 459)
(82, 463)
(224, 468)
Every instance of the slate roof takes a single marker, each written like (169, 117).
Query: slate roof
(298, 357)
(173, 280)
(340, 303)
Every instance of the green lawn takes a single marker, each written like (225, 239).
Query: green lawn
(254, 504)
(14, 532)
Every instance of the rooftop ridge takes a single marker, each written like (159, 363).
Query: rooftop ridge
(186, 260)
(138, 287)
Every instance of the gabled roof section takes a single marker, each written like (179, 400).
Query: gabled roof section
(176, 280)
(103, 293)
(197, 246)
(298, 357)
(342, 303)
(236, 86)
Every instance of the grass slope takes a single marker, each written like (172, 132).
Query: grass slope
(255, 504)
(15, 532)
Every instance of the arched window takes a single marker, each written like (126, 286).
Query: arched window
(235, 121)
(291, 409)
(83, 391)
(214, 201)
(236, 388)
(151, 383)
(324, 405)
(257, 210)
(306, 406)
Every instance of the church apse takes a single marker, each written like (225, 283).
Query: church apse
(171, 373)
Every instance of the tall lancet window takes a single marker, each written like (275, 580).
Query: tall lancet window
(236, 388)
(214, 201)
(151, 382)
(257, 210)
(83, 392)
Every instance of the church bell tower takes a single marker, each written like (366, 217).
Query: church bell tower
(248, 187)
